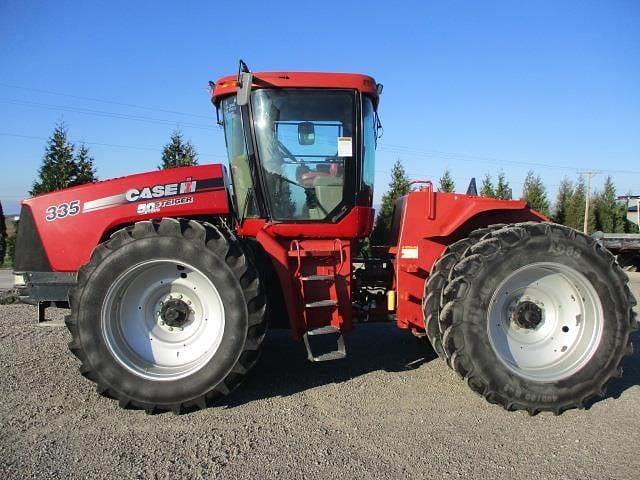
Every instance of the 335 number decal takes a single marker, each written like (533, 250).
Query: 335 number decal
(55, 212)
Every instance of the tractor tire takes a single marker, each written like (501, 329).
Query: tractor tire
(438, 280)
(539, 318)
(167, 315)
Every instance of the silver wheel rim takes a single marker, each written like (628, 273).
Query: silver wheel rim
(545, 321)
(144, 337)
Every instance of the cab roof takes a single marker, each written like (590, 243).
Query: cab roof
(363, 83)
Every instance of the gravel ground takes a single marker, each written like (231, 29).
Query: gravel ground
(391, 410)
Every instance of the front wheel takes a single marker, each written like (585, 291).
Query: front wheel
(167, 315)
(538, 318)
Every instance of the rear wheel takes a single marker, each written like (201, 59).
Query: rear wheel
(538, 317)
(438, 280)
(167, 315)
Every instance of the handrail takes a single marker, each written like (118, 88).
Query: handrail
(431, 209)
(297, 245)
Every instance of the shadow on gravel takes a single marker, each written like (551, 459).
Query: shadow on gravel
(284, 369)
(630, 373)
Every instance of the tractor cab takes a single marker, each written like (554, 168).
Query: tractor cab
(301, 146)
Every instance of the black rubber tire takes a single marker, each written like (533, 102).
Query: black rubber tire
(438, 280)
(216, 253)
(475, 278)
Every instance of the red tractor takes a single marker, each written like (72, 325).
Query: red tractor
(173, 276)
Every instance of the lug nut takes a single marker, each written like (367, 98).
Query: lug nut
(171, 329)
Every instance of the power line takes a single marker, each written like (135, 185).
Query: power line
(482, 159)
(100, 100)
(392, 148)
(103, 144)
(102, 113)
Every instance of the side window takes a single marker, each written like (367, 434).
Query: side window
(238, 159)
(368, 147)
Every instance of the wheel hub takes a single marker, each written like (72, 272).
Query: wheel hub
(527, 315)
(545, 321)
(175, 313)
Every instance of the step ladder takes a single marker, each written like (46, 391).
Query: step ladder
(337, 354)
(310, 259)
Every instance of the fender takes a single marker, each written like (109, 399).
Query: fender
(65, 226)
(428, 222)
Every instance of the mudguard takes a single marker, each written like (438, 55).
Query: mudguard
(66, 225)
(428, 221)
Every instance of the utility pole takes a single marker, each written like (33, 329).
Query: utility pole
(589, 174)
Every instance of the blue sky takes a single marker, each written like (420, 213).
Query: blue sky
(471, 86)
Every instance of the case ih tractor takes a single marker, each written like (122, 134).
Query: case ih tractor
(173, 276)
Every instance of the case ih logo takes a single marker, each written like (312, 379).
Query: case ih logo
(155, 192)
(159, 191)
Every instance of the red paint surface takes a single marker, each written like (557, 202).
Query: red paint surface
(363, 83)
(430, 222)
(69, 241)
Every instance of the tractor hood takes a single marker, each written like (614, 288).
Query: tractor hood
(66, 225)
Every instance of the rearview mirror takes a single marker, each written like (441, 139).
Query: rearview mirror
(306, 133)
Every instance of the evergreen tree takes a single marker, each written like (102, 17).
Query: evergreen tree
(10, 253)
(487, 189)
(575, 208)
(398, 186)
(178, 152)
(3, 235)
(446, 182)
(503, 189)
(85, 171)
(535, 193)
(606, 209)
(58, 168)
(565, 192)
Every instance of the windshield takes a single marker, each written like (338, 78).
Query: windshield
(305, 139)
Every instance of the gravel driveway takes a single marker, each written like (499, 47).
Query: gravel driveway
(390, 410)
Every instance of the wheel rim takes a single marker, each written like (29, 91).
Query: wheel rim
(162, 319)
(545, 321)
